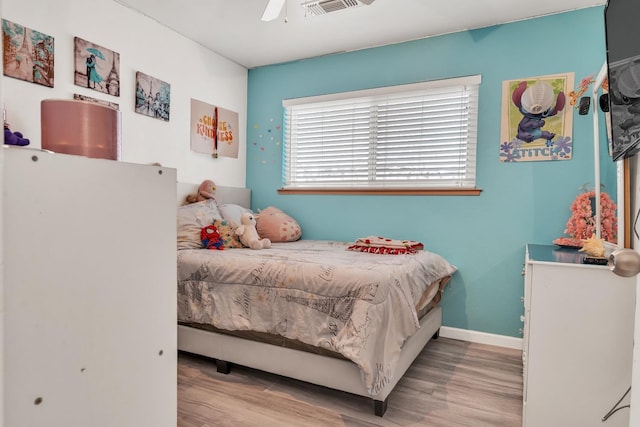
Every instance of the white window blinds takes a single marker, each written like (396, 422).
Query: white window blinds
(420, 135)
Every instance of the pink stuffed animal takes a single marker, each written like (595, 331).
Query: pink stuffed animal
(206, 190)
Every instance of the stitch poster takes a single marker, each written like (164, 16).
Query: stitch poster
(537, 122)
(214, 130)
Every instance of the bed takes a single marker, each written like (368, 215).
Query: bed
(310, 310)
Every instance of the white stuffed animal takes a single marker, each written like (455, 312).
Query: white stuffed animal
(249, 235)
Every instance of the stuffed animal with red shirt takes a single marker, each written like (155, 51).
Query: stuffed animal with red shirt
(211, 238)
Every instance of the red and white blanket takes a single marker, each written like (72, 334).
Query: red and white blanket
(383, 245)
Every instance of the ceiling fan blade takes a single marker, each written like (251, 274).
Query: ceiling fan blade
(273, 9)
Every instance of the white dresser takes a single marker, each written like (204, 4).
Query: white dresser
(578, 340)
(89, 292)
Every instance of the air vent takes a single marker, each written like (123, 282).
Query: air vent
(327, 6)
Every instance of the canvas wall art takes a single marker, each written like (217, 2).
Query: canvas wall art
(227, 133)
(97, 101)
(27, 54)
(537, 122)
(203, 126)
(153, 97)
(214, 130)
(96, 67)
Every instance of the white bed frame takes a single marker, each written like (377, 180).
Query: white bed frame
(338, 374)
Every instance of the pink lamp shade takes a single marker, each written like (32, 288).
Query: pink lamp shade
(83, 128)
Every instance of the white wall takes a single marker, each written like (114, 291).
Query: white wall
(144, 45)
(191, 70)
(1, 269)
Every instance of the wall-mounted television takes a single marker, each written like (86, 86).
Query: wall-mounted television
(622, 32)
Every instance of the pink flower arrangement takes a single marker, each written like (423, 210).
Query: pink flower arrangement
(582, 224)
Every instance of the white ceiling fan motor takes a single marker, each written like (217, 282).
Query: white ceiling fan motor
(322, 7)
(312, 7)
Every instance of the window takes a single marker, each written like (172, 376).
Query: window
(416, 136)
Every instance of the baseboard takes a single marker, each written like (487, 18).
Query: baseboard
(481, 337)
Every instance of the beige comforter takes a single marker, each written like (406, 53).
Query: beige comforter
(360, 305)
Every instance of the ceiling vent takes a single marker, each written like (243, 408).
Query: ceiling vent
(322, 7)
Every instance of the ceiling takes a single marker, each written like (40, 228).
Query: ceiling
(233, 28)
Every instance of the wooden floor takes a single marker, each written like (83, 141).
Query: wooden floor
(451, 383)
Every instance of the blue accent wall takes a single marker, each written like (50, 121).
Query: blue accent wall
(484, 236)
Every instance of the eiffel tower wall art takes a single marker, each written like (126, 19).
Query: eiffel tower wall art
(153, 96)
(96, 67)
(27, 54)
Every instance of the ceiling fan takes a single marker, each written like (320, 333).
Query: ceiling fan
(273, 9)
(313, 7)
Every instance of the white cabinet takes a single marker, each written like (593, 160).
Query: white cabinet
(578, 340)
(89, 292)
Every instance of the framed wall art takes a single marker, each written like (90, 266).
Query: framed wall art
(203, 125)
(96, 67)
(214, 130)
(97, 101)
(153, 97)
(537, 122)
(227, 133)
(27, 54)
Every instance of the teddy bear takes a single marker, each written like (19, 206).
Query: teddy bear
(248, 234)
(14, 138)
(206, 190)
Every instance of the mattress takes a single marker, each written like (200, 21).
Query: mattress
(361, 306)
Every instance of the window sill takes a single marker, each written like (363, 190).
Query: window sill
(385, 191)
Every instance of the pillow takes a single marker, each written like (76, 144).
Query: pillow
(191, 218)
(227, 231)
(277, 226)
(233, 212)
